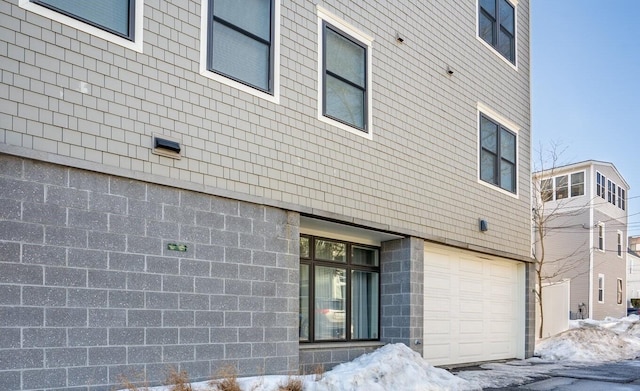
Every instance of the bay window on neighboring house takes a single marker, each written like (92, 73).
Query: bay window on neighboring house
(339, 291)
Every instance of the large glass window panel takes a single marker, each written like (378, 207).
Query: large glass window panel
(489, 6)
(253, 16)
(577, 184)
(112, 15)
(546, 190)
(344, 102)
(489, 133)
(562, 187)
(508, 146)
(505, 45)
(345, 58)
(364, 256)
(507, 176)
(305, 247)
(488, 167)
(507, 16)
(331, 251)
(240, 57)
(330, 300)
(364, 305)
(304, 319)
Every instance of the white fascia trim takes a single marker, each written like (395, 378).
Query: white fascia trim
(512, 126)
(324, 15)
(204, 36)
(136, 44)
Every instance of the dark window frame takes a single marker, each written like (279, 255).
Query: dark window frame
(497, 28)
(365, 113)
(130, 23)
(212, 18)
(498, 156)
(312, 262)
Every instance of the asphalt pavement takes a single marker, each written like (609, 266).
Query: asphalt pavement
(620, 376)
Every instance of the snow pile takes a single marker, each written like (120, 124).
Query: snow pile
(594, 341)
(392, 367)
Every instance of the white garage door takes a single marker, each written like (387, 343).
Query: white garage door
(473, 307)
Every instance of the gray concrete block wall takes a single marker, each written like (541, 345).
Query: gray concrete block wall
(89, 289)
(402, 292)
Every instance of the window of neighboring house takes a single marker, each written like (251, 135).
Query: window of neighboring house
(240, 43)
(118, 21)
(608, 191)
(613, 193)
(497, 154)
(622, 198)
(601, 288)
(562, 187)
(339, 290)
(620, 244)
(601, 236)
(619, 291)
(497, 26)
(577, 184)
(546, 190)
(344, 75)
(601, 185)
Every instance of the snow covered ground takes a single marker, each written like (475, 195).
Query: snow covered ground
(396, 367)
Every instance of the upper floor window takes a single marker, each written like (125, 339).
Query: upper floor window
(600, 288)
(339, 290)
(497, 154)
(619, 249)
(562, 186)
(241, 41)
(344, 75)
(115, 16)
(118, 21)
(601, 236)
(497, 26)
(619, 291)
(612, 193)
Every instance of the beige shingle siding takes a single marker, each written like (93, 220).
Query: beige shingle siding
(74, 95)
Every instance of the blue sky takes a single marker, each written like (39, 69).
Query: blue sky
(585, 80)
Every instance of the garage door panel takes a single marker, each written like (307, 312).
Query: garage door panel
(471, 315)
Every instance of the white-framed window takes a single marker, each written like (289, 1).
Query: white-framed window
(622, 198)
(620, 244)
(498, 150)
(619, 291)
(344, 75)
(601, 237)
(600, 288)
(240, 45)
(117, 21)
(497, 22)
(601, 185)
(562, 186)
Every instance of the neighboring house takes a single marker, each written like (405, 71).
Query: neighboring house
(633, 269)
(270, 185)
(585, 235)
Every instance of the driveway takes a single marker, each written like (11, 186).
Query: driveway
(620, 376)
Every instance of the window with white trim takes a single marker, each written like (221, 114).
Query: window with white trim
(117, 21)
(619, 291)
(344, 75)
(497, 26)
(620, 244)
(600, 288)
(601, 236)
(601, 185)
(612, 193)
(562, 186)
(498, 146)
(240, 45)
